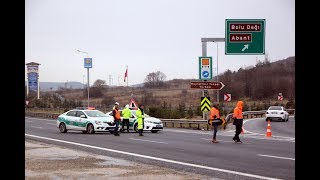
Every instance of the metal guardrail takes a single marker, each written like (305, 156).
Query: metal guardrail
(228, 119)
(180, 122)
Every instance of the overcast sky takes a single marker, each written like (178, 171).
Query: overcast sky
(145, 35)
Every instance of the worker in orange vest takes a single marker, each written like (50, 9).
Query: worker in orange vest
(216, 121)
(238, 121)
(117, 118)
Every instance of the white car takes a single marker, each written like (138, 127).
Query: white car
(150, 123)
(277, 113)
(85, 120)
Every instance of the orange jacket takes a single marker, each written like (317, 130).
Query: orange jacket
(214, 112)
(116, 114)
(237, 112)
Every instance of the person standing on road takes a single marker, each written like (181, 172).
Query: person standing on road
(238, 121)
(215, 120)
(117, 118)
(140, 119)
(126, 114)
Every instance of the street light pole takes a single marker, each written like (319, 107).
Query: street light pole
(88, 88)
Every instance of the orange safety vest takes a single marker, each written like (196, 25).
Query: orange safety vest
(237, 112)
(117, 114)
(213, 112)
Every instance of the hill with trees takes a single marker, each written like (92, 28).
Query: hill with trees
(257, 85)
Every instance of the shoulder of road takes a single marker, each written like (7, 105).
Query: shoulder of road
(47, 161)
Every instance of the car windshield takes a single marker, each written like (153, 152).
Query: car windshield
(275, 108)
(95, 113)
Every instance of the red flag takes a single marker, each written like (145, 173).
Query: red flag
(125, 75)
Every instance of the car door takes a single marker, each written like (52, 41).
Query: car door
(132, 120)
(80, 123)
(70, 119)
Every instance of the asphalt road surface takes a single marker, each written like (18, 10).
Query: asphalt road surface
(258, 157)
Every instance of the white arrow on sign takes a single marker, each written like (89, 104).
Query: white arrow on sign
(246, 46)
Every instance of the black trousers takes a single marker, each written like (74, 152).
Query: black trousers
(125, 122)
(238, 123)
(215, 129)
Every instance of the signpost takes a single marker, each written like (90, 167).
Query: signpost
(206, 85)
(245, 36)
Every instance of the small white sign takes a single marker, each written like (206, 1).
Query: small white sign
(227, 97)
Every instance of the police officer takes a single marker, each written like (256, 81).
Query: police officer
(126, 114)
(140, 117)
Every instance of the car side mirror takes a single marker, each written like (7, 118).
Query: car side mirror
(83, 116)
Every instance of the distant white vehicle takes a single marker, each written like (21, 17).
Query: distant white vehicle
(150, 123)
(277, 113)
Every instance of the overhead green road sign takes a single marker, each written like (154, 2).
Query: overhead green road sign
(245, 36)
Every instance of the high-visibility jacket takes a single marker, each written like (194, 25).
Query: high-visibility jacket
(214, 112)
(140, 118)
(237, 112)
(126, 113)
(116, 114)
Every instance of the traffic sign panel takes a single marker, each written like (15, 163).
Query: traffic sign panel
(206, 85)
(205, 104)
(245, 36)
(280, 97)
(205, 68)
(227, 97)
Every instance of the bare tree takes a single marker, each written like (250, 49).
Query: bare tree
(155, 79)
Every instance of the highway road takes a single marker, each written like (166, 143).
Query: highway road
(258, 157)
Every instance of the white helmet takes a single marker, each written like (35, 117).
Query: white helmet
(116, 103)
(127, 106)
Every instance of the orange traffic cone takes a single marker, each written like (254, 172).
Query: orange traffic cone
(269, 134)
(242, 131)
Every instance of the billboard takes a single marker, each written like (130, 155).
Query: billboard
(33, 81)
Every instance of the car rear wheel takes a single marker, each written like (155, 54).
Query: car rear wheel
(154, 131)
(63, 128)
(90, 129)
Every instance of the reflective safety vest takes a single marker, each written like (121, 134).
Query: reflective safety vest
(214, 112)
(117, 114)
(140, 118)
(126, 113)
(237, 112)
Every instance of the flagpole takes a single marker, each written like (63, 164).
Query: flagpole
(127, 76)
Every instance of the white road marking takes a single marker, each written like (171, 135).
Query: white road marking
(148, 140)
(156, 158)
(276, 157)
(217, 140)
(231, 133)
(37, 127)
